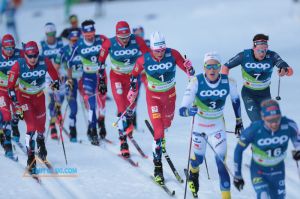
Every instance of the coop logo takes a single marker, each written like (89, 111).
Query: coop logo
(51, 52)
(90, 49)
(7, 63)
(126, 52)
(34, 74)
(263, 66)
(274, 140)
(77, 58)
(161, 66)
(217, 93)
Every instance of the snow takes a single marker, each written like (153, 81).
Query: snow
(193, 27)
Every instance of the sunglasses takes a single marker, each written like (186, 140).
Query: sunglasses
(51, 34)
(34, 56)
(8, 48)
(274, 120)
(261, 51)
(212, 66)
(159, 50)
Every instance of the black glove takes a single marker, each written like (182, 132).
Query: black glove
(129, 114)
(238, 126)
(55, 85)
(296, 155)
(12, 95)
(133, 83)
(102, 88)
(238, 183)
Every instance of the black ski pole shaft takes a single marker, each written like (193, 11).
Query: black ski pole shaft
(278, 90)
(298, 169)
(206, 168)
(175, 172)
(188, 162)
(218, 156)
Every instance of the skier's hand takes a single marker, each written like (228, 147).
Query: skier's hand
(69, 84)
(238, 182)
(19, 111)
(129, 114)
(189, 67)
(102, 87)
(131, 96)
(185, 112)
(54, 85)
(12, 95)
(296, 155)
(238, 126)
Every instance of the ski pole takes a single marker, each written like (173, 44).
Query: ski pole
(218, 156)
(206, 168)
(61, 123)
(188, 163)
(114, 124)
(278, 91)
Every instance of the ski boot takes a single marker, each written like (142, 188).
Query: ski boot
(53, 129)
(89, 134)
(73, 134)
(31, 162)
(124, 148)
(193, 181)
(158, 172)
(41, 148)
(15, 130)
(7, 144)
(2, 138)
(102, 129)
(94, 137)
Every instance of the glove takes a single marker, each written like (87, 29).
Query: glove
(54, 85)
(185, 112)
(238, 126)
(69, 84)
(188, 65)
(129, 114)
(238, 182)
(12, 95)
(282, 71)
(296, 155)
(102, 88)
(131, 96)
(19, 111)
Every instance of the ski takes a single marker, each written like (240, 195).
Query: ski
(195, 195)
(167, 157)
(21, 146)
(36, 178)
(138, 148)
(129, 160)
(164, 187)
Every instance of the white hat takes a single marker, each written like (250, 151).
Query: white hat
(212, 55)
(157, 41)
(50, 27)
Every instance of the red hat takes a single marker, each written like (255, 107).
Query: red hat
(122, 29)
(8, 40)
(31, 48)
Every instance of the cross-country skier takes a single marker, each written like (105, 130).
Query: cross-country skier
(124, 49)
(73, 72)
(50, 48)
(160, 67)
(73, 20)
(139, 31)
(88, 47)
(257, 68)
(9, 56)
(269, 139)
(204, 99)
(29, 102)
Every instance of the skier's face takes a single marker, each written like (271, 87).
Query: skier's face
(272, 122)
(260, 51)
(123, 39)
(8, 50)
(32, 59)
(212, 69)
(89, 36)
(51, 37)
(159, 53)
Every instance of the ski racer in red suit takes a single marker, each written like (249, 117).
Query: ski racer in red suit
(160, 68)
(29, 102)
